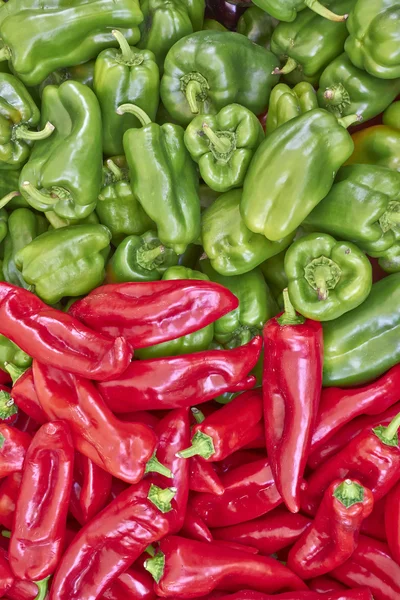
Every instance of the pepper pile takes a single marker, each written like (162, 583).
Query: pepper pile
(199, 299)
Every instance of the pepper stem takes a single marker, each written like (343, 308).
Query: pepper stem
(289, 316)
(290, 66)
(7, 406)
(349, 492)
(150, 550)
(161, 498)
(36, 195)
(193, 89)
(115, 170)
(132, 109)
(7, 198)
(125, 48)
(154, 466)
(202, 445)
(318, 8)
(388, 435)
(42, 587)
(349, 120)
(337, 95)
(197, 414)
(147, 257)
(320, 282)
(155, 566)
(5, 54)
(221, 144)
(14, 372)
(23, 133)
(6, 534)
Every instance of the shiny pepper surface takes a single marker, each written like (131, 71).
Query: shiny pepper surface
(286, 103)
(286, 10)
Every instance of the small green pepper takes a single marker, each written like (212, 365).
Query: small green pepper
(213, 25)
(11, 353)
(286, 10)
(286, 103)
(257, 25)
(274, 273)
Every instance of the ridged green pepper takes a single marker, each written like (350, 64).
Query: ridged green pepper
(186, 344)
(64, 172)
(223, 145)
(73, 265)
(286, 103)
(310, 42)
(257, 25)
(124, 75)
(208, 70)
(140, 258)
(11, 353)
(286, 10)
(23, 227)
(364, 343)
(118, 208)
(345, 90)
(42, 37)
(292, 170)
(18, 116)
(373, 43)
(167, 22)
(157, 160)
(231, 247)
(326, 278)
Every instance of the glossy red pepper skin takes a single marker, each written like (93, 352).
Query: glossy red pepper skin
(9, 489)
(372, 566)
(358, 594)
(6, 576)
(122, 449)
(292, 384)
(58, 339)
(194, 527)
(109, 544)
(220, 568)
(332, 537)
(269, 534)
(25, 397)
(340, 406)
(325, 584)
(13, 446)
(203, 477)
(134, 584)
(250, 490)
(392, 521)
(4, 378)
(140, 416)
(90, 489)
(149, 313)
(374, 525)
(23, 590)
(239, 458)
(37, 537)
(182, 381)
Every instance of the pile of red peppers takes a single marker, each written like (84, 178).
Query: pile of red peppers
(123, 479)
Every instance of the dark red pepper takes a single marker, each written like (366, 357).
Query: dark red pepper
(357, 594)
(134, 584)
(28, 590)
(149, 313)
(203, 477)
(374, 525)
(5, 377)
(239, 458)
(6, 576)
(324, 584)
(392, 521)
(140, 416)
(90, 489)
(58, 339)
(13, 446)
(292, 384)
(9, 489)
(194, 527)
(25, 397)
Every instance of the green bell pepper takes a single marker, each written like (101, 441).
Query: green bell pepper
(11, 353)
(165, 23)
(257, 25)
(73, 265)
(157, 159)
(124, 75)
(345, 90)
(42, 37)
(9, 183)
(223, 145)
(310, 42)
(273, 270)
(286, 10)
(208, 70)
(118, 208)
(64, 172)
(18, 114)
(83, 73)
(140, 258)
(231, 247)
(377, 145)
(391, 116)
(23, 227)
(186, 344)
(326, 278)
(3, 224)
(286, 103)
(363, 344)
(292, 170)
(373, 43)
(213, 25)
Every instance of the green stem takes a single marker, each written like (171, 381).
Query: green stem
(202, 445)
(150, 550)
(193, 89)
(132, 109)
(197, 414)
(7, 406)
(149, 256)
(336, 95)
(5, 54)
(43, 588)
(320, 282)
(221, 144)
(115, 170)
(290, 66)
(392, 428)
(155, 566)
(14, 372)
(56, 221)
(6, 534)
(37, 195)
(349, 492)
(289, 317)
(23, 133)
(161, 498)
(126, 51)
(349, 120)
(7, 198)
(154, 466)
(318, 8)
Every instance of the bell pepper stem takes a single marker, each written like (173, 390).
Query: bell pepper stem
(318, 8)
(23, 133)
(154, 466)
(290, 66)
(7, 405)
(390, 432)
(56, 221)
(320, 281)
(14, 372)
(5, 54)
(115, 170)
(289, 316)
(161, 498)
(132, 109)
(155, 566)
(197, 414)
(147, 257)
(43, 588)
(202, 445)
(34, 193)
(349, 120)
(349, 492)
(193, 89)
(221, 144)
(337, 95)
(126, 51)
(150, 550)
(4, 201)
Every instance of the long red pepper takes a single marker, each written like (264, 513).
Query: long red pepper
(13, 446)
(25, 397)
(134, 584)
(374, 525)
(154, 312)
(90, 489)
(373, 457)
(122, 449)
(340, 406)
(140, 416)
(239, 458)
(270, 533)
(37, 537)
(181, 381)
(190, 569)
(6, 576)
(58, 339)
(292, 383)
(194, 527)
(203, 477)
(9, 489)
(325, 584)
(27, 590)
(358, 594)
(392, 521)
(227, 429)
(333, 535)
(250, 491)
(106, 546)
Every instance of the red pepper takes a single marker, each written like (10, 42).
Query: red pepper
(373, 457)
(340, 406)
(6, 576)
(55, 338)
(227, 429)
(140, 416)
(372, 566)
(324, 584)
(190, 569)
(153, 312)
(8, 409)
(117, 487)
(203, 478)
(181, 381)
(241, 457)
(25, 397)
(90, 489)
(28, 590)
(107, 545)
(37, 538)
(250, 492)
(333, 535)
(358, 594)
(122, 449)
(194, 527)
(134, 584)
(270, 533)
(5, 377)
(258, 442)
(9, 489)
(292, 383)
(374, 525)
(234, 546)
(13, 446)
(392, 521)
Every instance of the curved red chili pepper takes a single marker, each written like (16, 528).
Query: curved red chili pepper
(25, 397)
(90, 489)
(194, 527)
(13, 446)
(134, 584)
(203, 477)
(58, 339)
(392, 521)
(9, 489)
